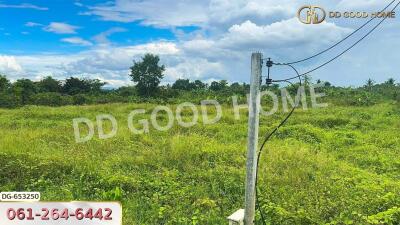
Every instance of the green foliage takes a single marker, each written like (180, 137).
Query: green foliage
(4, 84)
(24, 89)
(337, 165)
(218, 85)
(147, 74)
(79, 91)
(51, 99)
(79, 99)
(49, 84)
(75, 86)
(186, 85)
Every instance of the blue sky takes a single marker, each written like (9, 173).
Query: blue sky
(207, 40)
(23, 27)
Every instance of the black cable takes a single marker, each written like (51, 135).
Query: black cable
(267, 138)
(336, 44)
(337, 56)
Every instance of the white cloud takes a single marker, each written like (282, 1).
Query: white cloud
(114, 60)
(33, 24)
(283, 34)
(102, 38)
(8, 64)
(364, 5)
(77, 41)
(153, 12)
(229, 30)
(110, 64)
(24, 6)
(79, 4)
(208, 13)
(193, 68)
(61, 28)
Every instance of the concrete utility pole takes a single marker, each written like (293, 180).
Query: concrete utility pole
(254, 111)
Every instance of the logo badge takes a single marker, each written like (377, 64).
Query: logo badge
(311, 14)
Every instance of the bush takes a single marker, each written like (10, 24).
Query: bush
(51, 99)
(7, 101)
(80, 99)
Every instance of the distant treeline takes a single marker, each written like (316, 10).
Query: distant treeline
(78, 91)
(147, 75)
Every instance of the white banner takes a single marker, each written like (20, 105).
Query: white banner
(20, 196)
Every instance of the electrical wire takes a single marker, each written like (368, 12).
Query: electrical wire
(338, 43)
(337, 56)
(268, 137)
(287, 80)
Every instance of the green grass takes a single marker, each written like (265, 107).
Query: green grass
(338, 165)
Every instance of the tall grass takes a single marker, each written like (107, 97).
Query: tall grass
(338, 165)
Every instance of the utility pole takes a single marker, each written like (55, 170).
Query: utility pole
(254, 120)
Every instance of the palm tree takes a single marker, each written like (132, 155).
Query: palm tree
(370, 83)
(390, 82)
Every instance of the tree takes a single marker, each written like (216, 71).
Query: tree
(370, 83)
(6, 99)
(127, 91)
(147, 74)
(199, 85)
(4, 83)
(48, 84)
(218, 86)
(95, 85)
(237, 88)
(24, 89)
(75, 86)
(390, 82)
(183, 84)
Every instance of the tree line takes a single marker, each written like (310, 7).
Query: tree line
(147, 75)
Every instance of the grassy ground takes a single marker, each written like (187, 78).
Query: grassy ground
(338, 165)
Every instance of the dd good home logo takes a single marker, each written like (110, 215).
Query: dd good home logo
(311, 14)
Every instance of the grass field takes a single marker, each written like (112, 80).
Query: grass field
(337, 165)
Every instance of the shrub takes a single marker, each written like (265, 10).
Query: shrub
(51, 99)
(79, 99)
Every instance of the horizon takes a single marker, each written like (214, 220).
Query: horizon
(210, 40)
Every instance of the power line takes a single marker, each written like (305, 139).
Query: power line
(345, 38)
(337, 56)
(267, 138)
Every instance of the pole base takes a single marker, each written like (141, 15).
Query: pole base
(237, 218)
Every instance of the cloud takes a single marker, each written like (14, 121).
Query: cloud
(33, 24)
(283, 34)
(110, 64)
(153, 12)
(364, 5)
(77, 41)
(224, 56)
(102, 38)
(227, 31)
(61, 28)
(24, 6)
(8, 64)
(192, 68)
(78, 4)
(208, 13)
(113, 60)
